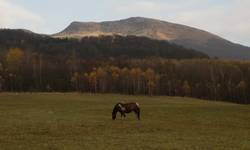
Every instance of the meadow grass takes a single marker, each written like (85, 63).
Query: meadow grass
(75, 121)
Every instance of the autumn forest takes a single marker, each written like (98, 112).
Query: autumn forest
(125, 65)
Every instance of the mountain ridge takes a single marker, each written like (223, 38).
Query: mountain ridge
(189, 37)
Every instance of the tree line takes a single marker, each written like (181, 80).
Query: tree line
(204, 78)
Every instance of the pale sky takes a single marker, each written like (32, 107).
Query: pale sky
(229, 19)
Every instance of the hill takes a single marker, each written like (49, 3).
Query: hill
(94, 47)
(185, 36)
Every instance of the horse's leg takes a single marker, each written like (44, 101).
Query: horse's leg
(121, 114)
(137, 112)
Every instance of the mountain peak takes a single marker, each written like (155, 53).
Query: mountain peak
(138, 19)
(137, 26)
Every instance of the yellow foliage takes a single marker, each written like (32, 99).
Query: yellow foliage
(14, 59)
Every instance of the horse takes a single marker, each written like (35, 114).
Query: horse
(124, 108)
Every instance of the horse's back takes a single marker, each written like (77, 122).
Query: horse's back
(131, 106)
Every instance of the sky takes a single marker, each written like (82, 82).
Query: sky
(229, 19)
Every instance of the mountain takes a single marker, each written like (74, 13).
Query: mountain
(188, 37)
(103, 47)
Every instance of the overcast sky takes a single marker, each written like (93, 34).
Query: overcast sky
(227, 18)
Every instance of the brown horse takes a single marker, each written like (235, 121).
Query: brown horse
(124, 108)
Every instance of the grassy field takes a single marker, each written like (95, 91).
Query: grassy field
(83, 121)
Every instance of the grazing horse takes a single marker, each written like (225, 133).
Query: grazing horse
(124, 108)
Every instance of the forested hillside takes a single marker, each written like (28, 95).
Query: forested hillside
(93, 47)
(131, 65)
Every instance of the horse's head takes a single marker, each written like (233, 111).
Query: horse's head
(118, 107)
(115, 110)
(114, 114)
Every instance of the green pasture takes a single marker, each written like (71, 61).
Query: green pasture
(72, 121)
